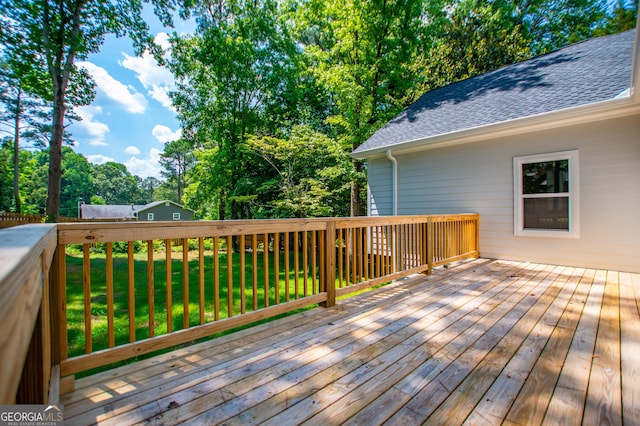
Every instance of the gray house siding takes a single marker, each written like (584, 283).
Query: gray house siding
(164, 212)
(478, 177)
(379, 174)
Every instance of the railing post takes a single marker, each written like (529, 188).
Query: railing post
(330, 264)
(477, 242)
(430, 245)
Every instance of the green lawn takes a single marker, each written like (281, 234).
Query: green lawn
(75, 294)
(99, 321)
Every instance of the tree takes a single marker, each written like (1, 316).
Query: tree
(146, 188)
(6, 197)
(362, 53)
(223, 98)
(311, 174)
(176, 161)
(23, 91)
(35, 184)
(476, 37)
(77, 182)
(61, 32)
(113, 182)
(479, 36)
(623, 17)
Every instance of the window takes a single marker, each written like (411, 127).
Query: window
(150, 216)
(176, 216)
(546, 195)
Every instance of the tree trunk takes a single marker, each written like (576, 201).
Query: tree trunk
(55, 155)
(356, 204)
(16, 154)
(222, 205)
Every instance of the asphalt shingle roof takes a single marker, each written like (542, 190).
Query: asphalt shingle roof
(590, 71)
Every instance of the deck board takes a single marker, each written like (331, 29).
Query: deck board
(482, 342)
(604, 398)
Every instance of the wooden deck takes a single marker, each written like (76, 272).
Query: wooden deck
(482, 342)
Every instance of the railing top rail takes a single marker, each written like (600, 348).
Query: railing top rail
(350, 222)
(26, 254)
(20, 249)
(88, 232)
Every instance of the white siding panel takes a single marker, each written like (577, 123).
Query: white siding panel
(478, 178)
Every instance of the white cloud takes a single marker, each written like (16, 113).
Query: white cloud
(145, 167)
(115, 90)
(99, 159)
(161, 94)
(90, 129)
(133, 150)
(156, 79)
(162, 39)
(164, 134)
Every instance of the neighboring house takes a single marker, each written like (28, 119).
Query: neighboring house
(546, 150)
(159, 210)
(164, 210)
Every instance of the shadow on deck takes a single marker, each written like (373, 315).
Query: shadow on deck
(482, 342)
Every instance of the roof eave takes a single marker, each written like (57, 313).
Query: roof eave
(559, 118)
(569, 116)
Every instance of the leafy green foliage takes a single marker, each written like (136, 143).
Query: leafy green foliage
(236, 77)
(311, 174)
(109, 183)
(55, 35)
(176, 161)
(362, 53)
(114, 183)
(272, 95)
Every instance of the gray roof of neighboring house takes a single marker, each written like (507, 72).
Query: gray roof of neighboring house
(95, 211)
(590, 71)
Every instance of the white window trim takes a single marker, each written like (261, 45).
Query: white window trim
(150, 216)
(176, 216)
(574, 195)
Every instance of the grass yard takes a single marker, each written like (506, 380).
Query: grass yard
(99, 322)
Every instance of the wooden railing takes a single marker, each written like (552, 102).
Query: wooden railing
(8, 220)
(26, 255)
(119, 290)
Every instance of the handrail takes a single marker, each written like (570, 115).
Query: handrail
(253, 269)
(119, 290)
(26, 256)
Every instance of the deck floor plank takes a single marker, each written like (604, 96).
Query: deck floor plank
(604, 397)
(130, 390)
(396, 314)
(481, 374)
(525, 388)
(461, 360)
(442, 350)
(567, 402)
(217, 387)
(483, 342)
(533, 398)
(630, 347)
(365, 384)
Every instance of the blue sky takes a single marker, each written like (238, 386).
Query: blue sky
(131, 117)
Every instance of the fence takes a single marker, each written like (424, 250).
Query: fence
(8, 220)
